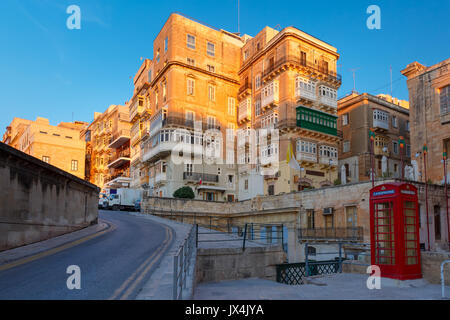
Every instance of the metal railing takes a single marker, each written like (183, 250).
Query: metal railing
(295, 273)
(442, 277)
(291, 59)
(244, 87)
(262, 234)
(182, 263)
(343, 233)
(196, 176)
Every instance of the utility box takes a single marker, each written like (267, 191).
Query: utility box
(394, 226)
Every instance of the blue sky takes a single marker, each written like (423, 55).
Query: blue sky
(47, 70)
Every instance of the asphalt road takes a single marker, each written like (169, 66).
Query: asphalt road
(114, 265)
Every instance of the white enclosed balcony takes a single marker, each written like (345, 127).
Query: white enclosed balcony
(328, 96)
(245, 110)
(309, 157)
(269, 154)
(305, 89)
(270, 95)
(380, 119)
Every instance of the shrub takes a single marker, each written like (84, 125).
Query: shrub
(184, 193)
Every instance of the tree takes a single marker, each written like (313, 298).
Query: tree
(184, 193)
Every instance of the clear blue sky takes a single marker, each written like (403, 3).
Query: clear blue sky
(47, 70)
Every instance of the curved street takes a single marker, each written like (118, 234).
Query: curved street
(114, 265)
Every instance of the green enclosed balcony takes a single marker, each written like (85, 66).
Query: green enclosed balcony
(316, 120)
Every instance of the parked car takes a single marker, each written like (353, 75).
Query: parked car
(137, 205)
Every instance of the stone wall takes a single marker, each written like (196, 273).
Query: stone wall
(39, 201)
(219, 264)
(431, 266)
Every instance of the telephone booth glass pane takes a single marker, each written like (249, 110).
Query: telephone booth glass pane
(384, 233)
(409, 213)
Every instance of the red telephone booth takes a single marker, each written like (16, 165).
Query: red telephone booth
(394, 225)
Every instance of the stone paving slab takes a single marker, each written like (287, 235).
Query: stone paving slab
(344, 286)
(16, 254)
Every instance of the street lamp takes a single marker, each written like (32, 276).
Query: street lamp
(444, 161)
(424, 153)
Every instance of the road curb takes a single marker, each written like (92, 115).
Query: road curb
(17, 256)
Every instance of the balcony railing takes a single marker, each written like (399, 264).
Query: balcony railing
(328, 161)
(291, 59)
(244, 87)
(118, 155)
(304, 156)
(196, 176)
(381, 124)
(342, 233)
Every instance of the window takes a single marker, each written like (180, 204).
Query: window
(191, 62)
(346, 146)
(395, 146)
(211, 122)
(157, 56)
(211, 68)
(190, 117)
(210, 49)
(271, 190)
(246, 184)
(408, 150)
(190, 87)
(352, 217)
(231, 106)
(166, 43)
(188, 168)
(310, 218)
(345, 119)
(230, 178)
(407, 125)
(150, 75)
(303, 58)
(190, 41)
(394, 122)
(219, 171)
(306, 147)
(444, 98)
(46, 159)
(257, 107)
(164, 90)
(246, 54)
(74, 165)
(211, 93)
(257, 82)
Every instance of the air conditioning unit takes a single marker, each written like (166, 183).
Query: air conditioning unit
(327, 211)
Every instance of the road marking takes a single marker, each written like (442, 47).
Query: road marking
(137, 276)
(57, 249)
(144, 273)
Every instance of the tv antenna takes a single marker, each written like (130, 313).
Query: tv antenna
(354, 79)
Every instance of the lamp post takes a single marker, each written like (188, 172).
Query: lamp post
(401, 143)
(425, 151)
(372, 138)
(444, 160)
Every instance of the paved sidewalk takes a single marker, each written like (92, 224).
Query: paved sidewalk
(344, 286)
(16, 254)
(160, 284)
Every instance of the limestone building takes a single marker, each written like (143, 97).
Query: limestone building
(389, 117)
(429, 96)
(233, 86)
(59, 145)
(108, 156)
(288, 82)
(191, 81)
